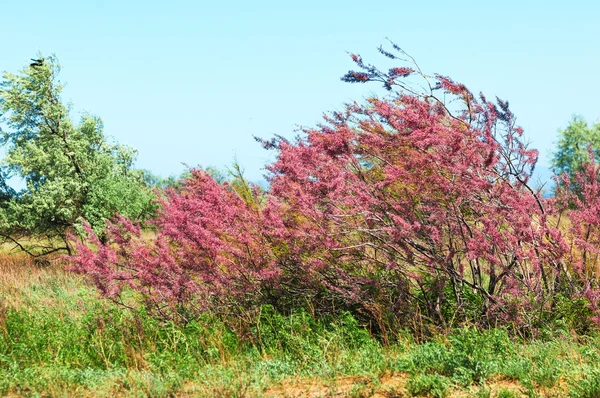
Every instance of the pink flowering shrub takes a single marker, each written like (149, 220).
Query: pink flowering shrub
(210, 249)
(581, 208)
(401, 210)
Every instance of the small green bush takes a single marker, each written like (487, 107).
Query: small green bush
(588, 386)
(432, 385)
(506, 393)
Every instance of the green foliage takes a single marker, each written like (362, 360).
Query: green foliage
(483, 392)
(548, 365)
(70, 171)
(468, 356)
(58, 339)
(431, 385)
(570, 314)
(480, 354)
(361, 390)
(588, 386)
(62, 339)
(328, 345)
(506, 393)
(572, 149)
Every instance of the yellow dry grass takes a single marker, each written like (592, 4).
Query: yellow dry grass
(20, 273)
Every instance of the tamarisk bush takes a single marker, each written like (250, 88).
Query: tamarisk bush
(421, 208)
(409, 210)
(583, 209)
(210, 251)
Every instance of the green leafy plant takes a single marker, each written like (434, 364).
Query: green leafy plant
(432, 385)
(70, 171)
(506, 393)
(574, 143)
(588, 386)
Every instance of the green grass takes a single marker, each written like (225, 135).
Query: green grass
(57, 338)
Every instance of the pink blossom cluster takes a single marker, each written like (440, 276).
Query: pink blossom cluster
(400, 206)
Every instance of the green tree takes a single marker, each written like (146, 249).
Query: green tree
(574, 143)
(70, 171)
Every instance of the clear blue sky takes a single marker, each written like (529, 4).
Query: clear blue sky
(193, 81)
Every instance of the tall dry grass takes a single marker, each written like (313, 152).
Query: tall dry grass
(20, 275)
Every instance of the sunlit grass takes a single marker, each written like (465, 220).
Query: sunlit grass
(60, 339)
